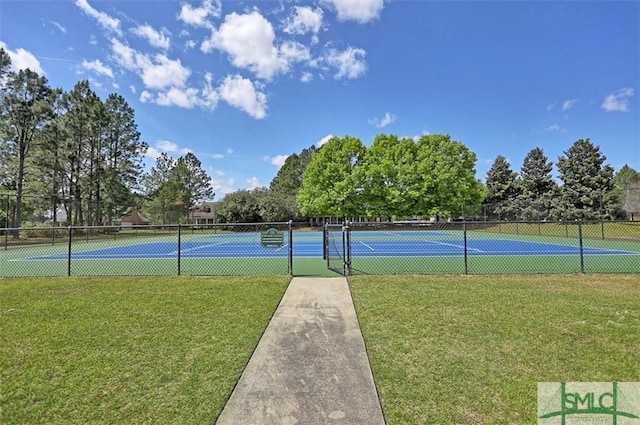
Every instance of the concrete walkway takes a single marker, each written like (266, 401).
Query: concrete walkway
(310, 367)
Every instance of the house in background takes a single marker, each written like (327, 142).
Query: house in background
(204, 213)
(632, 203)
(133, 218)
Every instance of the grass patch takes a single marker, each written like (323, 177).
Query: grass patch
(127, 350)
(471, 349)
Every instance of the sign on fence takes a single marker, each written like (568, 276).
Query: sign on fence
(272, 238)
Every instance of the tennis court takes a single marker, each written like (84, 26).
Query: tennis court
(309, 245)
(403, 251)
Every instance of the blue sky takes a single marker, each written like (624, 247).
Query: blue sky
(244, 84)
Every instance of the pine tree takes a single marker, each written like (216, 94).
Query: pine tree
(538, 190)
(586, 182)
(501, 190)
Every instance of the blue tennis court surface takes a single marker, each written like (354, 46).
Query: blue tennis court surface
(308, 245)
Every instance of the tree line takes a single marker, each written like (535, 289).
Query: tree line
(76, 152)
(434, 178)
(588, 188)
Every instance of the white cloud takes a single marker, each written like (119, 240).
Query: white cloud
(23, 59)
(568, 104)
(170, 147)
(145, 97)
(158, 39)
(349, 62)
(132, 88)
(306, 77)
(59, 26)
(241, 93)
(385, 120)
(223, 186)
(199, 16)
(153, 153)
(249, 40)
(277, 160)
(229, 151)
(184, 98)
(618, 100)
(160, 72)
(555, 127)
(157, 72)
(189, 44)
(104, 20)
(98, 67)
(304, 20)
(253, 183)
(292, 52)
(361, 11)
(324, 140)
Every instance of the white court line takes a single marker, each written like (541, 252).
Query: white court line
(283, 246)
(368, 246)
(199, 247)
(453, 245)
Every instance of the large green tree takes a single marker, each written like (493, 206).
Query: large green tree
(385, 177)
(172, 188)
(26, 108)
(586, 182)
(288, 180)
(122, 150)
(282, 196)
(241, 206)
(194, 182)
(329, 187)
(156, 188)
(443, 178)
(538, 190)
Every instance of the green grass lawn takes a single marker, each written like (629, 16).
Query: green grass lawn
(444, 349)
(154, 350)
(471, 349)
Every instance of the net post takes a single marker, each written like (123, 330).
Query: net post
(290, 263)
(179, 246)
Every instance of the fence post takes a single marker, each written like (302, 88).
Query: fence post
(466, 258)
(324, 241)
(6, 224)
(69, 251)
(347, 271)
(581, 246)
(290, 247)
(179, 245)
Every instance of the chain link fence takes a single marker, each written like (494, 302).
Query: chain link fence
(490, 247)
(223, 249)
